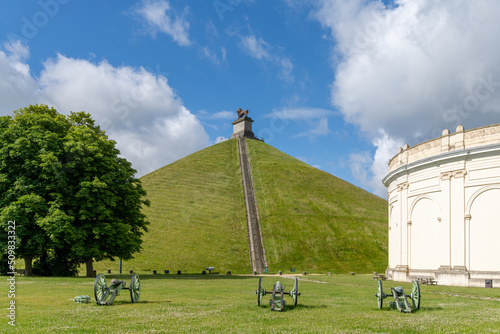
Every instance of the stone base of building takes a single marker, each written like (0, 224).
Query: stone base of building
(445, 275)
(400, 273)
(457, 276)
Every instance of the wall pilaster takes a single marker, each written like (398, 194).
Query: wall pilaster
(457, 232)
(446, 221)
(402, 268)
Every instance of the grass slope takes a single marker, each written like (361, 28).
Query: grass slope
(311, 220)
(197, 215)
(314, 221)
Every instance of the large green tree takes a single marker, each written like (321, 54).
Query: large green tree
(70, 193)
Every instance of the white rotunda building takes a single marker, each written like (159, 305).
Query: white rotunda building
(444, 209)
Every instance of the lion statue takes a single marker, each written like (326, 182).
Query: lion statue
(242, 113)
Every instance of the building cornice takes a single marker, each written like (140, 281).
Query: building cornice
(442, 158)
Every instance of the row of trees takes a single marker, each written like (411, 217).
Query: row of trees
(74, 200)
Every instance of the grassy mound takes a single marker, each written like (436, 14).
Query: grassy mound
(197, 215)
(314, 221)
(311, 220)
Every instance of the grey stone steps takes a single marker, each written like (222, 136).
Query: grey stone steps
(255, 242)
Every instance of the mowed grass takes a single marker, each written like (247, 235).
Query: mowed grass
(228, 304)
(313, 220)
(197, 216)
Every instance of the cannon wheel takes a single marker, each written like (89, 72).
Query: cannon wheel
(380, 295)
(415, 295)
(259, 291)
(100, 287)
(135, 288)
(296, 292)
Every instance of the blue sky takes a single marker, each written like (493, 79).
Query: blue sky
(338, 84)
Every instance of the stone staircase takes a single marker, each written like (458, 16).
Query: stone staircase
(255, 243)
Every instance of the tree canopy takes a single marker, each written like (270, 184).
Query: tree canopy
(74, 199)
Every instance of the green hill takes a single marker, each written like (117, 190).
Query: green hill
(311, 220)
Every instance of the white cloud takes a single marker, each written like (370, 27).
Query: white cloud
(216, 57)
(136, 108)
(261, 50)
(406, 72)
(220, 139)
(321, 129)
(301, 113)
(316, 120)
(359, 164)
(316, 129)
(160, 16)
(213, 51)
(224, 115)
(17, 87)
(255, 47)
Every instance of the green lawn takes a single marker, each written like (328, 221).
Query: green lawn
(228, 304)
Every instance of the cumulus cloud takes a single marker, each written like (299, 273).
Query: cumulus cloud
(16, 83)
(136, 108)
(160, 17)
(405, 72)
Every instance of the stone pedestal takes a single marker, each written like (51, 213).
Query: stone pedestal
(242, 127)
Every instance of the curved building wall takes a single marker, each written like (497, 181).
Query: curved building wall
(444, 209)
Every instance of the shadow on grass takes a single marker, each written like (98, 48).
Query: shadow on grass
(291, 308)
(435, 308)
(189, 276)
(421, 309)
(141, 302)
(306, 307)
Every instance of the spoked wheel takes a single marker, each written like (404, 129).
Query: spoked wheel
(135, 288)
(295, 292)
(259, 292)
(380, 295)
(100, 287)
(415, 295)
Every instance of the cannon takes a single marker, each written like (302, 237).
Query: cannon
(102, 292)
(400, 298)
(277, 301)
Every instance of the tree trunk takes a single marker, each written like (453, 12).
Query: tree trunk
(90, 268)
(28, 265)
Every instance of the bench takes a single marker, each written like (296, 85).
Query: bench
(379, 277)
(427, 280)
(210, 269)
